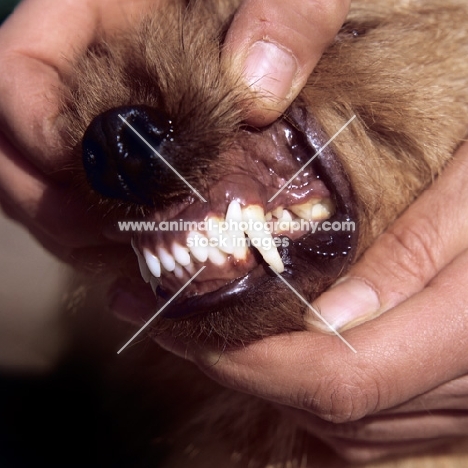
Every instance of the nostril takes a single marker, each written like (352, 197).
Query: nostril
(118, 163)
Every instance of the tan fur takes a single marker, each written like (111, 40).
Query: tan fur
(400, 66)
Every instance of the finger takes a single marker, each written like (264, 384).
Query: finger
(43, 206)
(38, 43)
(452, 395)
(87, 258)
(428, 236)
(389, 428)
(277, 44)
(132, 300)
(358, 452)
(377, 437)
(407, 352)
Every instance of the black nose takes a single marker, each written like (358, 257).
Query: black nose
(119, 164)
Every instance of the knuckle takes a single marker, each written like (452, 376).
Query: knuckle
(414, 249)
(343, 399)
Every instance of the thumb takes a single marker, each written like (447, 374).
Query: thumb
(404, 259)
(277, 44)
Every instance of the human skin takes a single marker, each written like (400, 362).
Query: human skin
(409, 361)
(406, 387)
(37, 45)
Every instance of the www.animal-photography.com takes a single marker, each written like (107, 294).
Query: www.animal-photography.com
(233, 233)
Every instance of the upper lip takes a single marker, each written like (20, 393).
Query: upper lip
(319, 248)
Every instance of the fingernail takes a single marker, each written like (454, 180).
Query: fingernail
(270, 69)
(348, 303)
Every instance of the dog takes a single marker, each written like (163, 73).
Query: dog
(394, 80)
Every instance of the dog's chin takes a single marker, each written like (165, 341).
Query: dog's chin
(313, 225)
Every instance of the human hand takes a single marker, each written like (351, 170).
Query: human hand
(406, 388)
(278, 44)
(37, 46)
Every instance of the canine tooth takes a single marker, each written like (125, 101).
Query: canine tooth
(321, 211)
(269, 216)
(227, 243)
(224, 240)
(234, 211)
(181, 254)
(153, 264)
(200, 252)
(167, 260)
(213, 230)
(216, 256)
(234, 216)
(178, 271)
(240, 247)
(144, 271)
(261, 237)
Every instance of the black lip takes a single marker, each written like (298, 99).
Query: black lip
(223, 297)
(327, 253)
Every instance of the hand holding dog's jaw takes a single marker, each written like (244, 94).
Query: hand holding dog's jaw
(410, 361)
(277, 45)
(37, 46)
(407, 257)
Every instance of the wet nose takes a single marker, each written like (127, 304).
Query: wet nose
(120, 157)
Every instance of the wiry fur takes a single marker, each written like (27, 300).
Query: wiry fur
(399, 66)
(171, 61)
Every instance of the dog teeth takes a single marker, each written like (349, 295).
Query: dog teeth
(322, 210)
(277, 212)
(304, 210)
(220, 236)
(234, 212)
(167, 260)
(241, 249)
(178, 271)
(262, 239)
(190, 268)
(285, 223)
(287, 217)
(315, 209)
(234, 217)
(227, 243)
(216, 256)
(198, 246)
(153, 264)
(225, 236)
(144, 271)
(181, 254)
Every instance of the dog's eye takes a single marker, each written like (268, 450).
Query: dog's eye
(119, 157)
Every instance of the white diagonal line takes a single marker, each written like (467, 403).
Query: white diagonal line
(312, 158)
(161, 309)
(164, 161)
(314, 311)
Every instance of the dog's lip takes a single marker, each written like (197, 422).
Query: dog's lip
(222, 297)
(333, 174)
